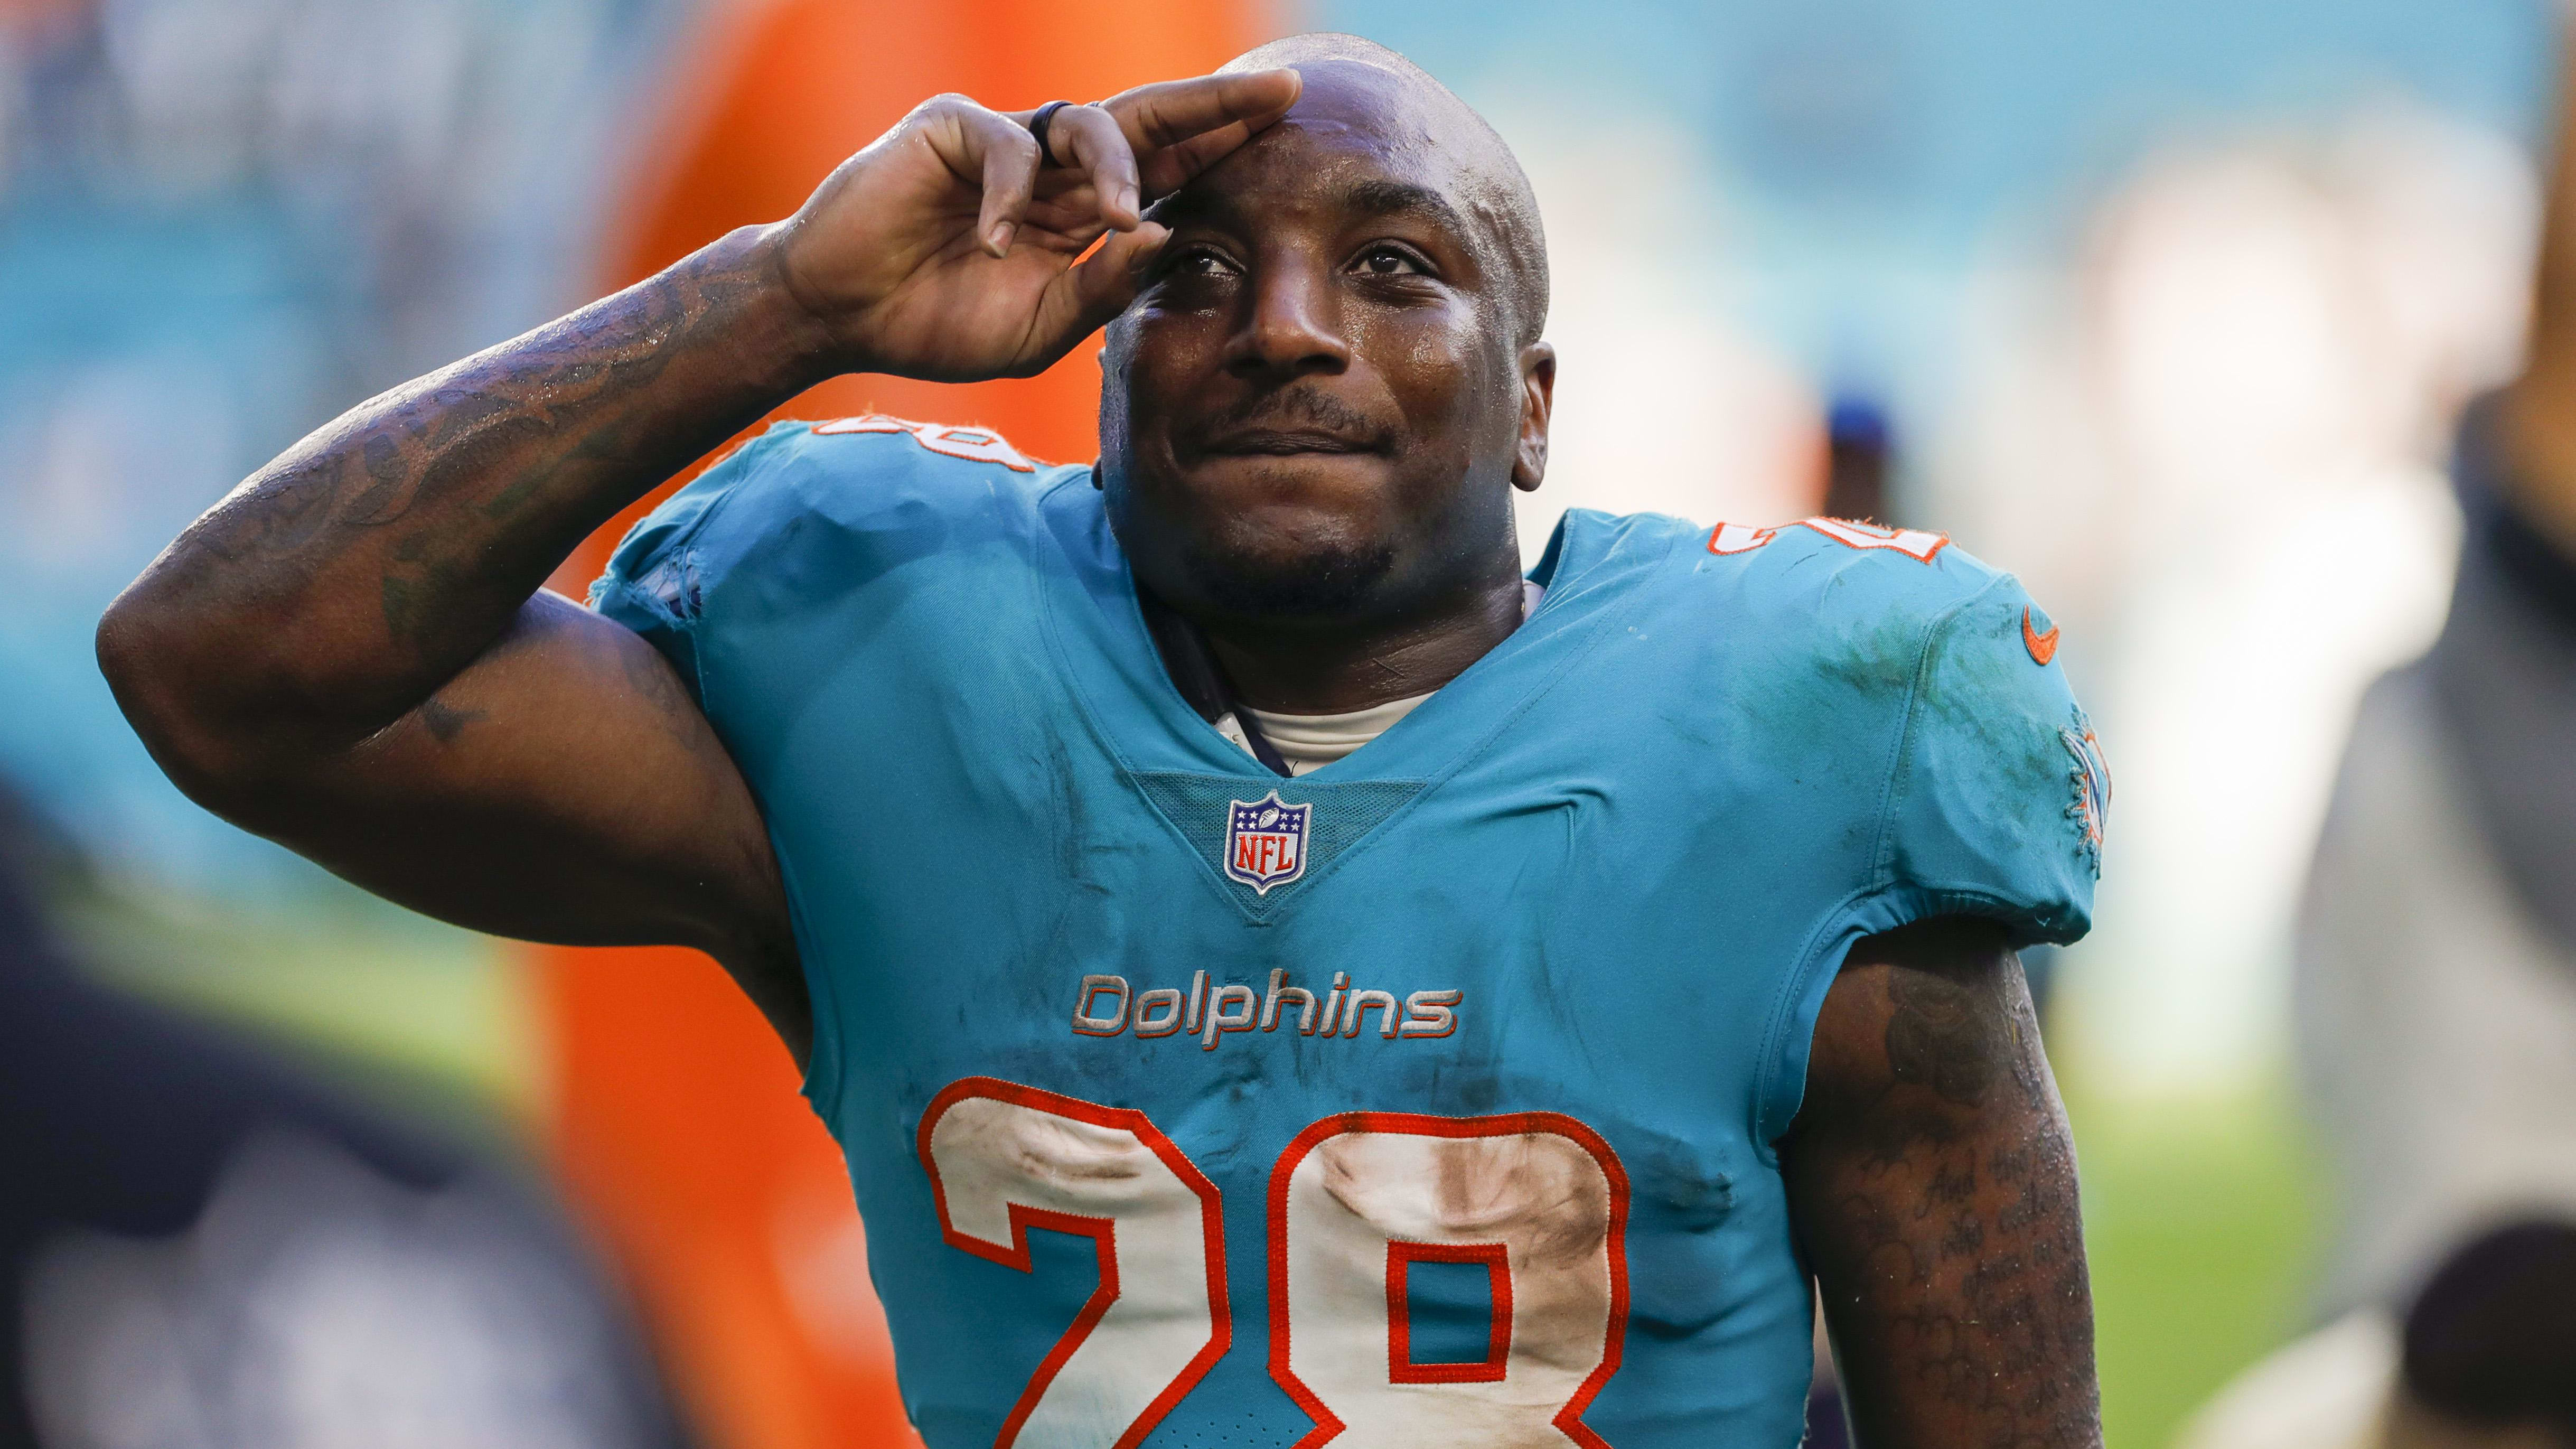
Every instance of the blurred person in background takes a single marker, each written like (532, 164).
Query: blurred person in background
(2483, 1358)
(2436, 957)
(200, 1249)
(873, 752)
(2435, 967)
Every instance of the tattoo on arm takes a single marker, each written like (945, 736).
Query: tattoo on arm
(649, 680)
(439, 507)
(657, 684)
(445, 721)
(1938, 1037)
(1934, 1184)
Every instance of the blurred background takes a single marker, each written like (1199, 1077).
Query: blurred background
(2172, 307)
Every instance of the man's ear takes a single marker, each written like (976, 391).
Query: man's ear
(1538, 395)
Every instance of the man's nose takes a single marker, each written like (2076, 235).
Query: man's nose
(1294, 326)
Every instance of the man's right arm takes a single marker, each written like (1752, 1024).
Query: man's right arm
(352, 655)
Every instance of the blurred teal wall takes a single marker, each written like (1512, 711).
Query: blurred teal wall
(222, 221)
(1863, 151)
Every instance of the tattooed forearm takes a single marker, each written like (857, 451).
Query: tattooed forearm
(341, 585)
(1934, 1185)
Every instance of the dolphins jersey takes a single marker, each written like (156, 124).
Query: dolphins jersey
(1426, 1099)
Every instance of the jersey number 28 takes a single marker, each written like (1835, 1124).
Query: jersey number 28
(1536, 1198)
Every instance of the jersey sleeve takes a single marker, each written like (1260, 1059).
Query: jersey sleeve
(1997, 802)
(804, 514)
(657, 578)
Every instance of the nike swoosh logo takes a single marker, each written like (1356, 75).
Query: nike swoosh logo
(2042, 647)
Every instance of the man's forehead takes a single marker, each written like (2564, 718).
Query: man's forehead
(1338, 175)
(1360, 139)
(1410, 124)
(1404, 112)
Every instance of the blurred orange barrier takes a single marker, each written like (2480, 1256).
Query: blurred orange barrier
(677, 1124)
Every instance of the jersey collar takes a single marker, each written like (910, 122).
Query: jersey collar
(1105, 644)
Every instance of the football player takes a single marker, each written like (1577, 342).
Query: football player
(1277, 974)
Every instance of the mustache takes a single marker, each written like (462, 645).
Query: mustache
(1298, 408)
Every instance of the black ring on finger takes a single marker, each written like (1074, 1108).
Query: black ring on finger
(1038, 124)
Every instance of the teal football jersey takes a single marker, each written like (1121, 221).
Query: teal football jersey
(1427, 1099)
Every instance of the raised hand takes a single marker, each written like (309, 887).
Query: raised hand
(947, 249)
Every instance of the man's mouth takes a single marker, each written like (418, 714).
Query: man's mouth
(1287, 442)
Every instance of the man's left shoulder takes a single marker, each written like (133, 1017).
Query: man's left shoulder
(1818, 588)
(1847, 565)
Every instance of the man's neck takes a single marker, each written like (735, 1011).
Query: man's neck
(1316, 671)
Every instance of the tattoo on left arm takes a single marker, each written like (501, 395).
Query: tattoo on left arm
(447, 721)
(1933, 1181)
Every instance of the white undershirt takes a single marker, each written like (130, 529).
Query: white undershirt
(1309, 742)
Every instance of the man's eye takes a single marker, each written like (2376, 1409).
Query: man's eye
(1201, 262)
(1389, 262)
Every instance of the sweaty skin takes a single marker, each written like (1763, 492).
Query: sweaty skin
(1323, 379)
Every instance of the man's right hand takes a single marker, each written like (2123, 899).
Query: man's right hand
(948, 249)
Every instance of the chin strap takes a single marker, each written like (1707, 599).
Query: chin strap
(1195, 673)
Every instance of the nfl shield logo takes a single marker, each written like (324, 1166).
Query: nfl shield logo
(1265, 841)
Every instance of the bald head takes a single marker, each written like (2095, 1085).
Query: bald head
(1360, 84)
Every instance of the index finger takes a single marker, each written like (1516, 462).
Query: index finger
(1168, 113)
